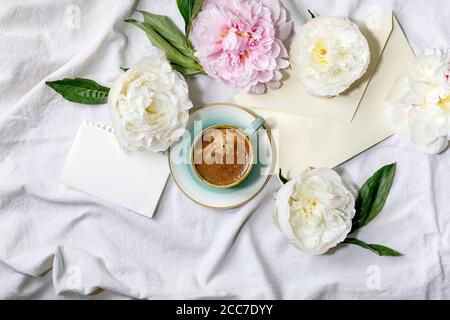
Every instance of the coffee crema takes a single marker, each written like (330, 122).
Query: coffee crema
(222, 156)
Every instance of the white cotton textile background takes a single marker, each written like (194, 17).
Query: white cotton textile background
(56, 242)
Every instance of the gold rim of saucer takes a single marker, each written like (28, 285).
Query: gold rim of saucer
(231, 105)
(237, 182)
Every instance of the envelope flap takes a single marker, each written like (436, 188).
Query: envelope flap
(378, 28)
(307, 141)
(292, 98)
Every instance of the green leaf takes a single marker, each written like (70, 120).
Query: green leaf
(79, 90)
(184, 6)
(189, 10)
(173, 55)
(372, 196)
(376, 248)
(283, 179)
(198, 5)
(169, 31)
(187, 71)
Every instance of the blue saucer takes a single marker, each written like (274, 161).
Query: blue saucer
(198, 191)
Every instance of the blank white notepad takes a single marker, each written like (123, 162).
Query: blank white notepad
(96, 165)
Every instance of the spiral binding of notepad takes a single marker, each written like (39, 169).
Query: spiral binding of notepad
(102, 126)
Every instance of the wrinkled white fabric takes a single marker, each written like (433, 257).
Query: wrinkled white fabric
(56, 242)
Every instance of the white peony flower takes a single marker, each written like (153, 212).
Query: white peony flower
(328, 55)
(420, 102)
(315, 210)
(149, 105)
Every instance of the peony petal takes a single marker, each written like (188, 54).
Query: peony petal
(259, 88)
(283, 210)
(274, 85)
(315, 210)
(328, 55)
(235, 40)
(149, 105)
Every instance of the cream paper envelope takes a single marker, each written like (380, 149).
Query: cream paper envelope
(342, 107)
(310, 141)
(98, 166)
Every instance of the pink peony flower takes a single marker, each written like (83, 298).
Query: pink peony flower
(240, 42)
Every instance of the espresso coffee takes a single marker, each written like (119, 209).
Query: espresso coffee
(222, 156)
